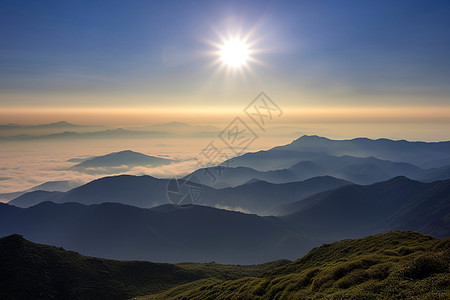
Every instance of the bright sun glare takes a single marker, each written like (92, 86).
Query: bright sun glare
(234, 53)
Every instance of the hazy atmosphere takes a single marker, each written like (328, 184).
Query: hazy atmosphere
(226, 139)
(375, 70)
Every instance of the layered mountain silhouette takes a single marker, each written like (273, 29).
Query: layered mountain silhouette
(49, 186)
(261, 197)
(361, 170)
(146, 191)
(355, 211)
(59, 124)
(435, 174)
(199, 233)
(102, 134)
(164, 234)
(422, 154)
(307, 184)
(35, 197)
(66, 131)
(141, 191)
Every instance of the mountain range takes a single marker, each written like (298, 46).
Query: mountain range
(141, 191)
(108, 215)
(261, 197)
(422, 154)
(63, 130)
(267, 199)
(166, 233)
(146, 191)
(108, 133)
(59, 124)
(199, 233)
(355, 211)
(346, 211)
(361, 170)
(49, 186)
(256, 213)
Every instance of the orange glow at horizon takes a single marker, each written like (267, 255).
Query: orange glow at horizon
(218, 115)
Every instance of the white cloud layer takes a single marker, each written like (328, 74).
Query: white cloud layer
(23, 170)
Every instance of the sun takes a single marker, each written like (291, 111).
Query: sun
(234, 53)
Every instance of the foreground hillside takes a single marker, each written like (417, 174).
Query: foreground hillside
(399, 265)
(34, 271)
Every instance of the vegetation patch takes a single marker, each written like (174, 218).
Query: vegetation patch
(395, 265)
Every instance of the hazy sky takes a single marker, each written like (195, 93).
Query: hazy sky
(156, 55)
(339, 69)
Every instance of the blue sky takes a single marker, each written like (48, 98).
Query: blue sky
(113, 53)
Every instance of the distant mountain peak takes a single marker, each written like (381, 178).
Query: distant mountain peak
(401, 179)
(312, 137)
(62, 123)
(59, 124)
(121, 176)
(122, 158)
(126, 151)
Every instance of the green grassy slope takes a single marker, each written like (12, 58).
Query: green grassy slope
(34, 271)
(397, 265)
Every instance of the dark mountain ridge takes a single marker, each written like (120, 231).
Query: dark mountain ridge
(418, 153)
(164, 234)
(146, 191)
(49, 186)
(355, 210)
(361, 170)
(422, 154)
